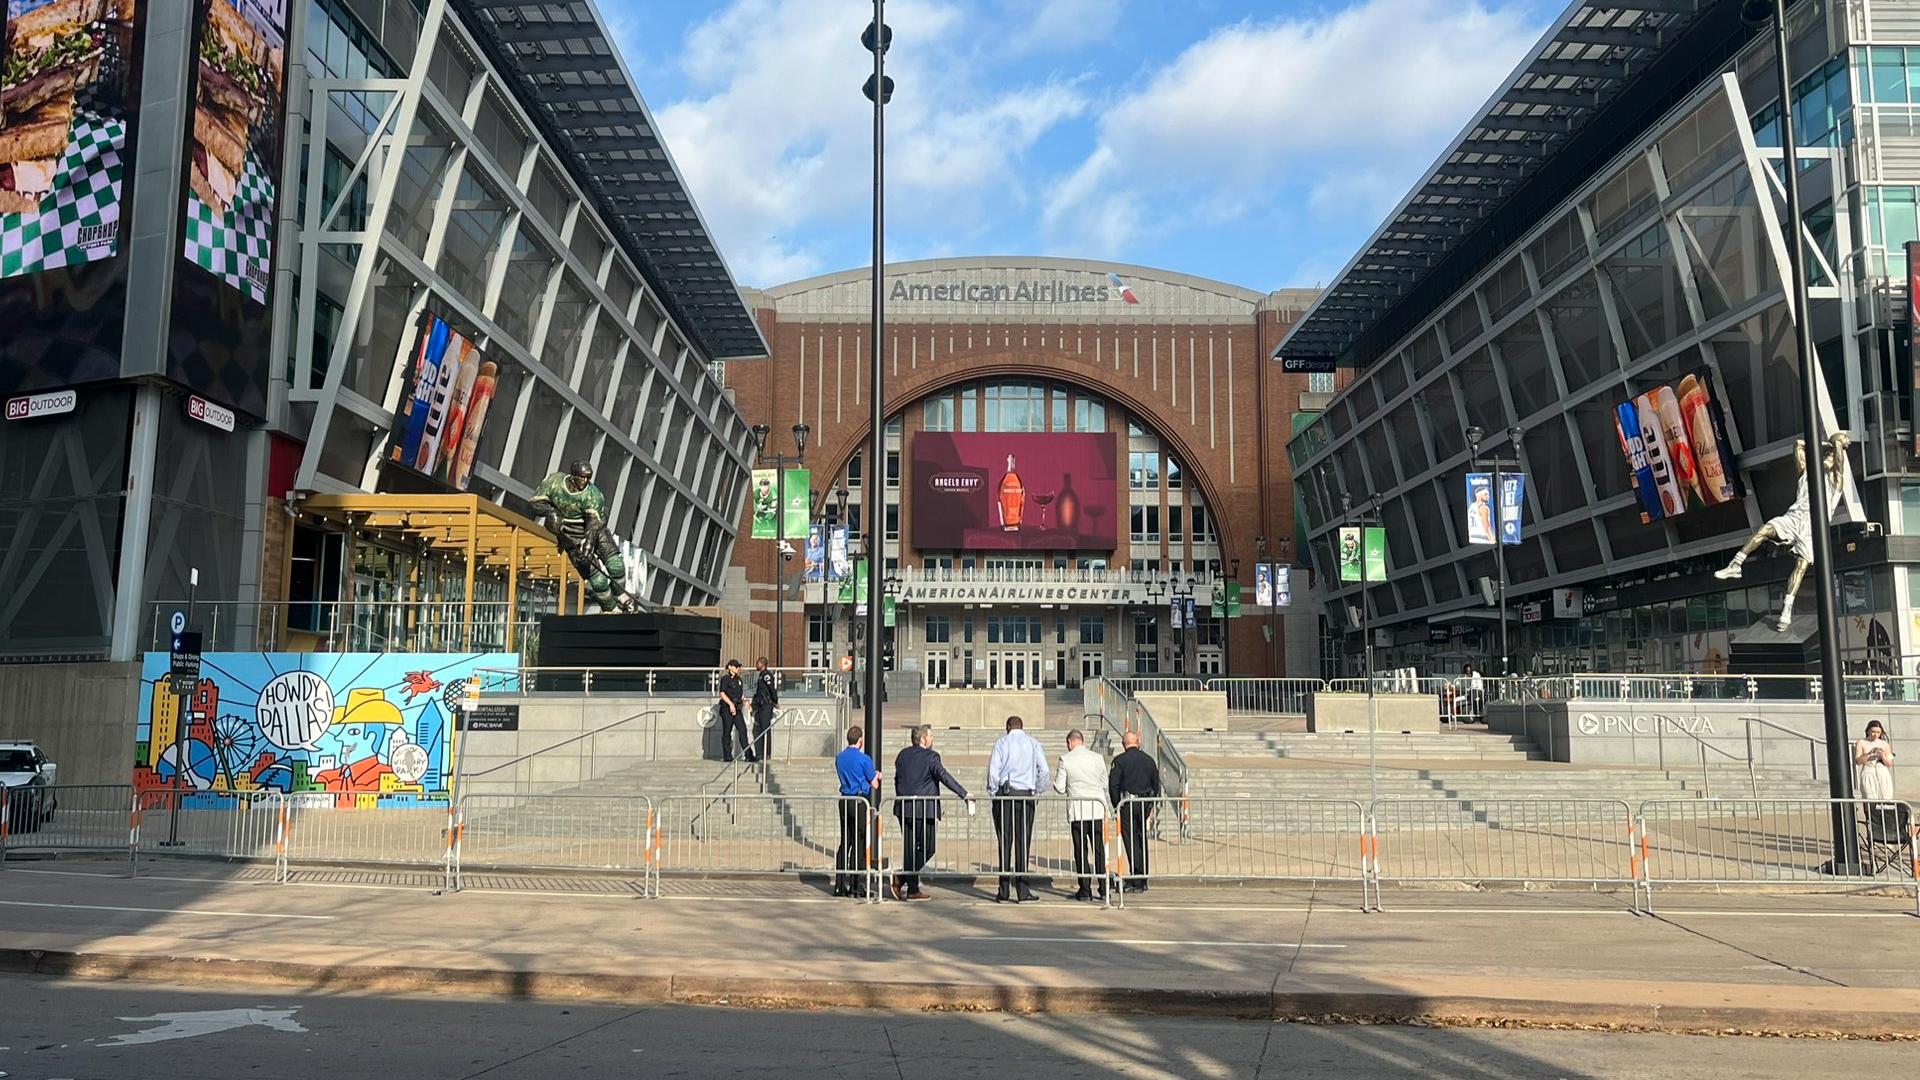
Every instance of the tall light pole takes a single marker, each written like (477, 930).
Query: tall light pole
(1226, 619)
(877, 38)
(1474, 435)
(780, 555)
(1362, 521)
(1182, 595)
(1833, 698)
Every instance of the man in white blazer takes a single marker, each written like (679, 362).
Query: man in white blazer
(1082, 778)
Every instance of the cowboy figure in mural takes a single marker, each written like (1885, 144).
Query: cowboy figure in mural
(575, 510)
(1794, 529)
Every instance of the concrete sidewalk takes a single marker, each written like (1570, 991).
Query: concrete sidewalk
(1800, 964)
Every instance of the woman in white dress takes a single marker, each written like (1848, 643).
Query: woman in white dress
(1873, 765)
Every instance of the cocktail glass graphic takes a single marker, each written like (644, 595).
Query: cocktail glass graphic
(1043, 499)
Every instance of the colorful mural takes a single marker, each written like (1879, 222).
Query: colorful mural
(369, 729)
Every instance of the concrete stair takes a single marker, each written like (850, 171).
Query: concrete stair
(1347, 746)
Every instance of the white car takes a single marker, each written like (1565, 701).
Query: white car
(28, 778)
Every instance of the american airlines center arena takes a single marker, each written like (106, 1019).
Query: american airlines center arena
(1085, 473)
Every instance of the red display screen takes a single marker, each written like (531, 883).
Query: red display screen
(1005, 491)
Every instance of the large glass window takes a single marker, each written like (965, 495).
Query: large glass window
(1089, 415)
(1146, 525)
(1015, 407)
(1093, 630)
(1143, 470)
(937, 414)
(939, 629)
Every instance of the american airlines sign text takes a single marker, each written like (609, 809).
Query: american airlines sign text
(1020, 592)
(1039, 291)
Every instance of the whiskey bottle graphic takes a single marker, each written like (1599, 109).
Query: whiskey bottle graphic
(1013, 498)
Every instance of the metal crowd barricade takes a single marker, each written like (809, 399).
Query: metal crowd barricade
(1749, 842)
(69, 818)
(612, 834)
(1232, 839)
(1548, 841)
(332, 829)
(210, 824)
(1267, 697)
(966, 846)
(760, 834)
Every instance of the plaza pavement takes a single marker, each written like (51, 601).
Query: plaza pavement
(1846, 964)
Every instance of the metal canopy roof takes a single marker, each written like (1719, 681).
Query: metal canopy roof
(1574, 71)
(576, 86)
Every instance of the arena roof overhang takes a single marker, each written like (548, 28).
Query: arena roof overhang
(574, 83)
(1597, 72)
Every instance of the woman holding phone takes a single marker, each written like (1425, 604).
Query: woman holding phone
(1873, 764)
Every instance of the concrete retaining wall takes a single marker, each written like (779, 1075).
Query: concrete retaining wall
(1392, 712)
(1632, 732)
(982, 708)
(1186, 710)
(81, 714)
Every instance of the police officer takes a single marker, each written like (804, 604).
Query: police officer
(732, 712)
(766, 698)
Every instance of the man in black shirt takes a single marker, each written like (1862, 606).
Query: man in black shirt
(732, 712)
(766, 698)
(1134, 773)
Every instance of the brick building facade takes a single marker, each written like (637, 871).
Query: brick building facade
(1176, 368)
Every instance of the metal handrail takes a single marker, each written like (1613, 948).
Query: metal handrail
(1662, 723)
(459, 778)
(1813, 746)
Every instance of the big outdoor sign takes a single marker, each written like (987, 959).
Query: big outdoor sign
(1002, 491)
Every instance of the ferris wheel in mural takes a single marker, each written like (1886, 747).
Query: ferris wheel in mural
(236, 740)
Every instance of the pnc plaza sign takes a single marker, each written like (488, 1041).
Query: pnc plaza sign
(1641, 724)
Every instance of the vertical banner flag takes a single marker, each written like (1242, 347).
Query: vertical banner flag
(1704, 436)
(1479, 508)
(1233, 599)
(1513, 493)
(887, 615)
(1349, 554)
(1282, 586)
(839, 563)
(1193, 620)
(853, 587)
(799, 503)
(1179, 613)
(1376, 545)
(1913, 325)
(1218, 603)
(1263, 585)
(766, 505)
(816, 552)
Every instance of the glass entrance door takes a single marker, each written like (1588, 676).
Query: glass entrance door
(937, 670)
(1093, 665)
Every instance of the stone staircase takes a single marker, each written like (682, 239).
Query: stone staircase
(1422, 745)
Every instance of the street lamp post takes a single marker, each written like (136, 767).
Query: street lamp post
(877, 38)
(1182, 594)
(1156, 591)
(839, 521)
(780, 463)
(1260, 557)
(1226, 618)
(1362, 521)
(1833, 699)
(1474, 435)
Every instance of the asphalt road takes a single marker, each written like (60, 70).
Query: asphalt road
(111, 1031)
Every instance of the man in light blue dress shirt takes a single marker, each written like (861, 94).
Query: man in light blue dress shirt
(1016, 774)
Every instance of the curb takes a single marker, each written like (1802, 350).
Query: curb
(1844, 1019)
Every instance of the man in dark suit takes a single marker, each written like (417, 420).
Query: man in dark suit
(766, 698)
(1134, 773)
(731, 712)
(918, 771)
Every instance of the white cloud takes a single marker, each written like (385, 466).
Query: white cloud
(775, 136)
(1332, 108)
(1052, 24)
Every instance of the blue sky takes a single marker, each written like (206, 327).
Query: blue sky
(1256, 143)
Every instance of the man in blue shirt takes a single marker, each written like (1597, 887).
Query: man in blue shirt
(1016, 774)
(858, 779)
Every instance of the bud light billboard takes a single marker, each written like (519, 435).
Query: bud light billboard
(1006, 491)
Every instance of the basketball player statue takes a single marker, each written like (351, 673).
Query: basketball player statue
(575, 510)
(1794, 529)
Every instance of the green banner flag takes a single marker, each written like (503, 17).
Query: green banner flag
(766, 504)
(1348, 554)
(850, 592)
(1233, 599)
(1376, 545)
(1218, 607)
(799, 498)
(887, 612)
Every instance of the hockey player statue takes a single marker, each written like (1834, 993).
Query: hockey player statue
(1794, 528)
(575, 509)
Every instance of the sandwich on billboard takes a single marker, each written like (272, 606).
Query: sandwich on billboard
(67, 104)
(449, 392)
(234, 158)
(1678, 454)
